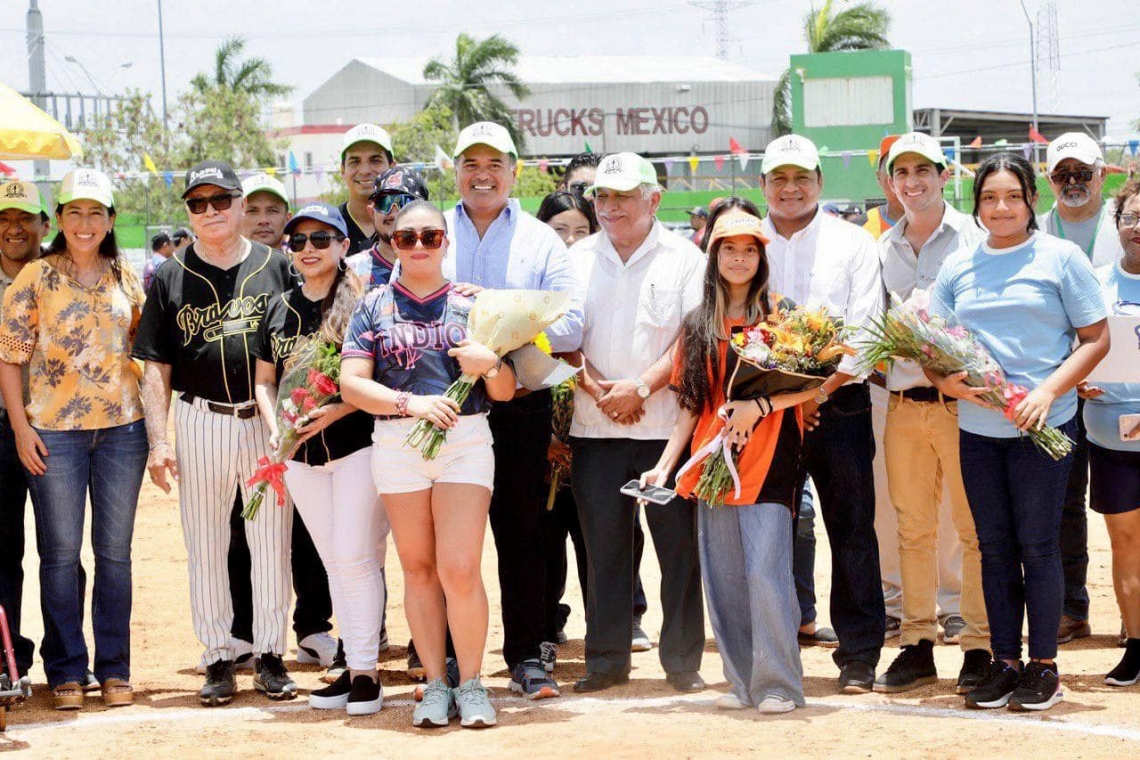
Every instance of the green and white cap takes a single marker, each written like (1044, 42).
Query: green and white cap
(485, 133)
(366, 133)
(790, 150)
(920, 144)
(86, 184)
(24, 196)
(263, 183)
(623, 172)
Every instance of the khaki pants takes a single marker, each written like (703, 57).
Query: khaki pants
(922, 453)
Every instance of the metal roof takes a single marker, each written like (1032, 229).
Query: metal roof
(601, 69)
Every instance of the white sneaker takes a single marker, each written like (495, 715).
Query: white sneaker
(316, 649)
(773, 705)
(640, 642)
(243, 657)
(729, 701)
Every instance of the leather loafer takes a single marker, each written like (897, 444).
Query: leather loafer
(599, 681)
(856, 677)
(686, 681)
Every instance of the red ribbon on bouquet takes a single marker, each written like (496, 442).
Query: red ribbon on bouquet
(273, 474)
(1013, 394)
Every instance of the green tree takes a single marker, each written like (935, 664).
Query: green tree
(534, 183)
(251, 75)
(222, 124)
(415, 141)
(465, 81)
(863, 26)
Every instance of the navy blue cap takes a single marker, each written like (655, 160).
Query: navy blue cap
(321, 212)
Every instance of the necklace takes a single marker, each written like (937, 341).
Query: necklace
(1092, 241)
(86, 279)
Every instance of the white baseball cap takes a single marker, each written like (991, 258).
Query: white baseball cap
(263, 183)
(790, 150)
(24, 196)
(366, 133)
(623, 172)
(919, 143)
(1076, 145)
(485, 133)
(86, 184)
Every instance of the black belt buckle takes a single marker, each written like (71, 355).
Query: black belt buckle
(241, 412)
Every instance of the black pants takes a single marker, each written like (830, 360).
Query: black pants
(837, 456)
(13, 501)
(601, 468)
(521, 431)
(313, 608)
(1075, 526)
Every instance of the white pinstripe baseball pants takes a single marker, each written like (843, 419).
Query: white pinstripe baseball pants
(217, 454)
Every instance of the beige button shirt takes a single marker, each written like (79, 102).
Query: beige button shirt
(633, 314)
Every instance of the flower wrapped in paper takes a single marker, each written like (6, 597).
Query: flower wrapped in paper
(504, 321)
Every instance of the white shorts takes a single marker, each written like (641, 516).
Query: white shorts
(465, 457)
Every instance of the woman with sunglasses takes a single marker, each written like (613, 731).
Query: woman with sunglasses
(329, 474)
(1112, 418)
(1030, 298)
(395, 188)
(71, 316)
(405, 345)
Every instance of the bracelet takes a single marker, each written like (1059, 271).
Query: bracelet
(764, 404)
(402, 404)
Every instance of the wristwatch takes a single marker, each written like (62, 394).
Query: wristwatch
(492, 373)
(821, 397)
(642, 388)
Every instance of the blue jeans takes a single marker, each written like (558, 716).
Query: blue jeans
(13, 495)
(746, 566)
(109, 464)
(1015, 494)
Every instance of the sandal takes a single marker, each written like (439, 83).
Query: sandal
(67, 696)
(118, 693)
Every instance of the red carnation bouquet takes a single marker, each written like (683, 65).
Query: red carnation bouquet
(311, 380)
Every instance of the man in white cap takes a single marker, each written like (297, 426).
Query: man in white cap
(24, 222)
(266, 209)
(819, 260)
(921, 438)
(365, 154)
(638, 280)
(495, 244)
(1075, 168)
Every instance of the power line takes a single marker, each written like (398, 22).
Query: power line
(719, 10)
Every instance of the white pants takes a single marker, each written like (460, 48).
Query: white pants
(349, 526)
(887, 529)
(217, 454)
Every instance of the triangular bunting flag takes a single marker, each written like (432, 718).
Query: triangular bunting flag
(271, 171)
(1037, 137)
(588, 148)
(951, 153)
(668, 165)
(719, 161)
(976, 142)
(735, 147)
(319, 173)
(742, 159)
(873, 158)
(442, 160)
(846, 159)
(693, 163)
(148, 162)
(543, 164)
(1027, 149)
(1001, 143)
(168, 177)
(1133, 145)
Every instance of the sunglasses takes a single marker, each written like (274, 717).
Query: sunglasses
(386, 204)
(405, 240)
(219, 202)
(320, 240)
(1080, 175)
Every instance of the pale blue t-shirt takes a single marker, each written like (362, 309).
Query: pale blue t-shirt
(1121, 293)
(1024, 304)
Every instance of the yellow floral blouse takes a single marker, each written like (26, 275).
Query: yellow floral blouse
(77, 343)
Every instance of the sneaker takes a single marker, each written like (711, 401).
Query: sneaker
(822, 636)
(366, 697)
(90, 682)
(272, 679)
(416, 670)
(856, 677)
(548, 655)
(913, 667)
(339, 665)
(437, 708)
(334, 696)
(952, 628)
(317, 649)
(1128, 671)
(561, 637)
(773, 705)
(975, 666)
(530, 679)
(1071, 628)
(729, 701)
(893, 628)
(640, 641)
(220, 684)
(475, 710)
(1038, 689)
(243, 657)
(451, 675)
(996, 688)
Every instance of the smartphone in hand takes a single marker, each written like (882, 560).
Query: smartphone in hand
(654, 494)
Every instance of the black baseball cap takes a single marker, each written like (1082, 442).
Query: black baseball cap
(159, 240)
(180, 234)
(401, 181)
(217, 173)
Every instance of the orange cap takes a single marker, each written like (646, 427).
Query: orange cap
(885, 147)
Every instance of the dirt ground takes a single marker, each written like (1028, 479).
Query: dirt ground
(642, 718)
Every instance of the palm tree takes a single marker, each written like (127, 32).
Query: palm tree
(863, 26)
(251, 75)
(464, 82)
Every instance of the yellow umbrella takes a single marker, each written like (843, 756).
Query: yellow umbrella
(27, 132)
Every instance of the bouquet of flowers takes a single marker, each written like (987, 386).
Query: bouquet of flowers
(503, 321)
(793, 350)
(563, 398)
(909, 331)
(311, 380)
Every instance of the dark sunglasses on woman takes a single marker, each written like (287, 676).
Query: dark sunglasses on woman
(405, 240)
(320, 240)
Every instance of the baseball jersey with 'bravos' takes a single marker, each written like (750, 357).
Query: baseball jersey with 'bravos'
(203, 321)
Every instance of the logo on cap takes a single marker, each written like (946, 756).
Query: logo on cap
(16, 190)
(394, 180)
(614, 166)
(1063, 146)
(86, 180)
(314, 209)
(485, 128)
(792, 144)
(209, 171)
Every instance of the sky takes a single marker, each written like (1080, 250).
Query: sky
(966, 53)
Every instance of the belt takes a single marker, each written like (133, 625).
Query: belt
(922, 395)
(241, 412)
(876, 379)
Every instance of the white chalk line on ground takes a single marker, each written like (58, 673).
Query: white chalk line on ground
(580, 705)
